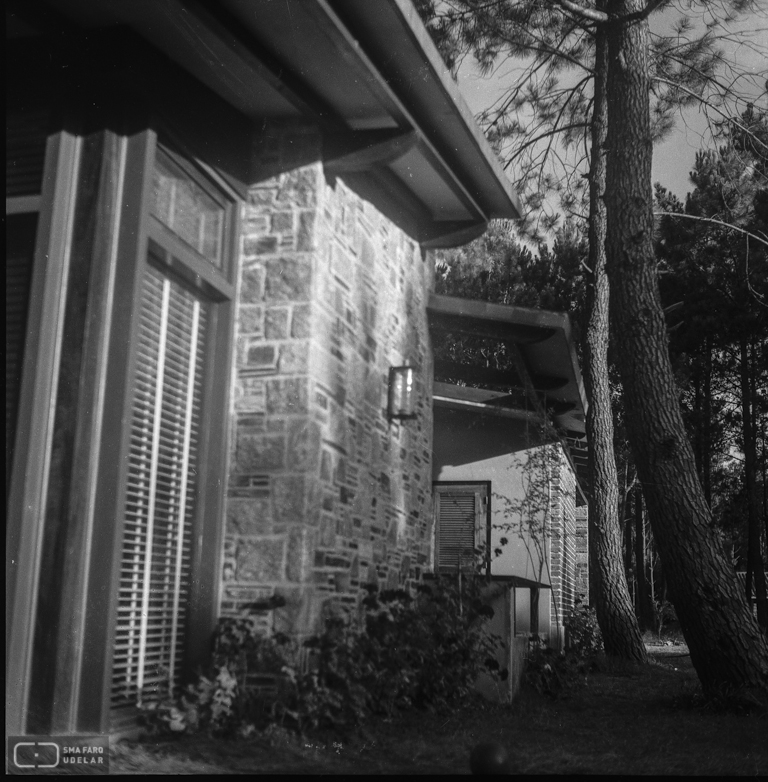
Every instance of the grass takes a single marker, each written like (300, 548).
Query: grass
(624, 720)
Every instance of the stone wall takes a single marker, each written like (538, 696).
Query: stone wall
(325, 494)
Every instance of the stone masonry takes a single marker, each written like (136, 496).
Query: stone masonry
(325, 494)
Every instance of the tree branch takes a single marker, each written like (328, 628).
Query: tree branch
(646, 12)
(585, 13)
(705, 102)
(716, 222)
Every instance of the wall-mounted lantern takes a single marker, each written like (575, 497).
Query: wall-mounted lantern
(401, 397)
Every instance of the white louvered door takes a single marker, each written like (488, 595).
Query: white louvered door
(161, 490)
(460, 526)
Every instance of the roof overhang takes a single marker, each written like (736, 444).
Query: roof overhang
(367, 73)
(543, 383)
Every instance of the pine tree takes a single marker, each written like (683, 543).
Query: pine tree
(720, 275)
(726, 645)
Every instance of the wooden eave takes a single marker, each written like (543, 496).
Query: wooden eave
(544, 370)
(396, 128)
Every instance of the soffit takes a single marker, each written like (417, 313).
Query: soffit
(550, 369)
(356, 66)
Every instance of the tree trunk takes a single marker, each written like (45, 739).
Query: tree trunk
(608, 588)
(707, 424)
(725, 641)
(755, 565)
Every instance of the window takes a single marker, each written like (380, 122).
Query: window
(20, 232)
(24, 157)
(187, 209)
(184, 280)
(462, 526)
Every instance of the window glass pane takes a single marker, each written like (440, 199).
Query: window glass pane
(182, 205)
(20, 231)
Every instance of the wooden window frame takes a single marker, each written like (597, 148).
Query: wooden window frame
(138, 230)
(27, 492)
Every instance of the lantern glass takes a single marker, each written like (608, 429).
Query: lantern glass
(401, 401)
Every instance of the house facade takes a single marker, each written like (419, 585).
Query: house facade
(219, 223)
(508, 465)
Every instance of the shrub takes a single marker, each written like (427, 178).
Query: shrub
(556, 673)
(404, 651)
(582, 632)
(427, 650)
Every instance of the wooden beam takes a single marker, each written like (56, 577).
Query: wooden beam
(499, 378)
(543, 323)
(360, 151)
(480, 400)
(503, 332)
(451, 233)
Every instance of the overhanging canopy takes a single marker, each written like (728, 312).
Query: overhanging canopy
(367, 73)
(544, 381)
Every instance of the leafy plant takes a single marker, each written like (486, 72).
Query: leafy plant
(402, 652)
(582, 632)
(557, 673)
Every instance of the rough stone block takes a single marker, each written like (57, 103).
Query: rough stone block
(301, 548)
(288, 279)
(300, 322)
(254, 224)
(261, 356)
(262, 195)
(288, 494)
(327, 531)
(305, 238)
(276, 323)
(248, 517)
(282, 222)
(250, 320)
(259, 452)
(259, 245)
(287, 396)
(261, 559)
(252, 287)
(298, 188)
(303, 444)
(294, 358)
(250, 394)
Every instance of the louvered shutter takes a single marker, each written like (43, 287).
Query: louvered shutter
(161, 491)
(460, 522)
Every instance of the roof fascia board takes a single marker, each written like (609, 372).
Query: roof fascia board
(349, 43)
(441, 83)
(500, 313)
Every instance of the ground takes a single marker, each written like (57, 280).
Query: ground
(652, 720)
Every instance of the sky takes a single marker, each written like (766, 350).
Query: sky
(746, 46)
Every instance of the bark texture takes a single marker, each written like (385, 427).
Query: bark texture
(608, 587)
(727, 647)
(755, 567)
